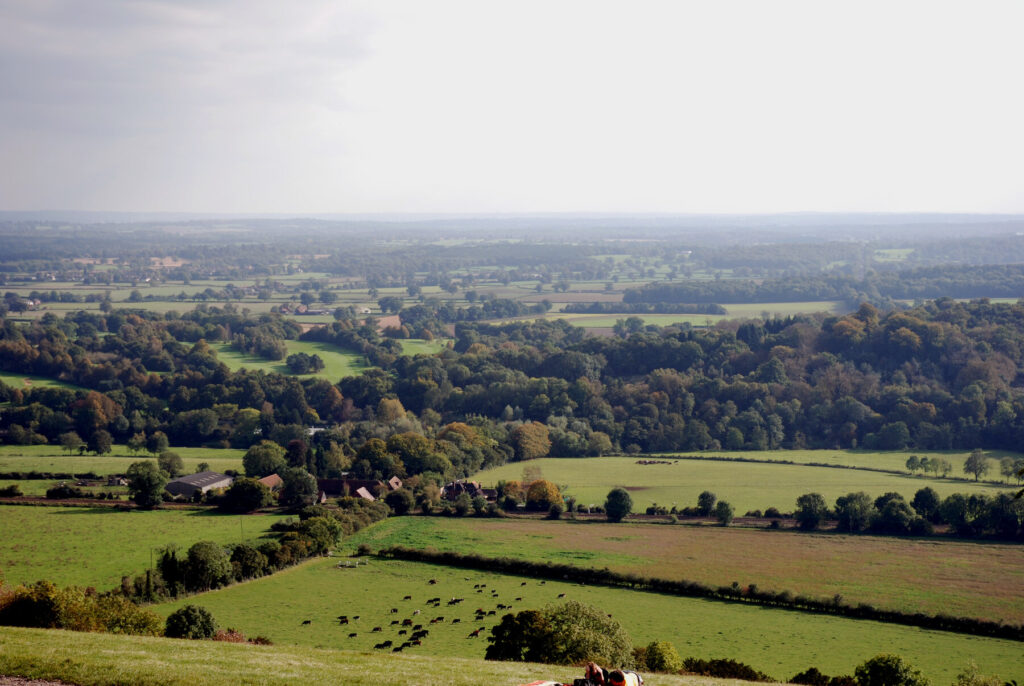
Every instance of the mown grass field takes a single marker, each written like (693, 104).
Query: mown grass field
(865, 459)
(50, 458)
(747, 486)
(419, 346)
(97, 546)
(778, 642)
(25, 382)
(103, 659)
(962, 578)
(338, 363)
(38, 487)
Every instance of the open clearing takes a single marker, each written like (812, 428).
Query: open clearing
(778, 642)
(338, 362)
(962, 578)
(97, 546)
(50, 458)
(25, 382)
(746, 485)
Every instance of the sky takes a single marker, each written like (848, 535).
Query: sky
(498, 106)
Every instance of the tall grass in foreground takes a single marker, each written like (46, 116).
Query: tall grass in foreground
(103, 659)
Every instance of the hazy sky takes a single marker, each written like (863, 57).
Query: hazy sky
(511, 106)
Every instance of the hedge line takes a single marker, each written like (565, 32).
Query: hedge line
(693, 589)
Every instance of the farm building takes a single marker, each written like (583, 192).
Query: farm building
(201, 482)
(273, 482)
(473, 489)
(358, 487)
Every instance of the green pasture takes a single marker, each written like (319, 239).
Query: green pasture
(419, 346)
(747, 486)
(893, 254)
(28, 381)
(97, 546)
(338, 362)
(894, 460)
(778, 642)
(50, 458)
(38, 487)
(931, 575)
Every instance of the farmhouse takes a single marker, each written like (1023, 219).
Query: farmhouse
(201, 482)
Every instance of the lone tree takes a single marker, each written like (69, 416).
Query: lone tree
(811, 511)
(101, 442)
(724, 513)
(977, 464)
(618, 504)
(706, 503)
(70, 442)
(146, 484)
(171, 463)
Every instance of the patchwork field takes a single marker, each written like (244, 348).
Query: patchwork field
(778, 642)
(50, 458)
(962, 578)
(338, 363)
(96, 547)
(747, 486)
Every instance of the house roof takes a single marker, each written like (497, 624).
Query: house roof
(201, 480)
(272, 481)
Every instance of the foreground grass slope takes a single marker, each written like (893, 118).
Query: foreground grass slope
(934, 576)
(747, 486)
(103, 659)
(777, 642)
(97, 546)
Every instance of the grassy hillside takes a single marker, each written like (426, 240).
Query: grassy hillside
(747, 486)
(96, 547)
(103, 659)
(778, 642)
(962, 578)
(50, 458)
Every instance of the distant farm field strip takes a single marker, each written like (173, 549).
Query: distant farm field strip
(961, 578)
(747, 486)
(97, 546)
(338, 363)
(49, 458)
(27, 381)
(778, 642)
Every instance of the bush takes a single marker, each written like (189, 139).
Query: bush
(63, 491)
(888, 670)
(723, 513)
(661, 656)
(555, 511)
(192, 622)
(12, 491)
(724, 669)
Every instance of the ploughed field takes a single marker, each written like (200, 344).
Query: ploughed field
(301, 606)
(745, 485)
(933, 576)
(97, 546)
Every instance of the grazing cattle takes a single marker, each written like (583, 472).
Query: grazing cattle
(394, 610)
(343, 619)
(518, 599)
(408, 597)
(417, 643)
(376, 629)
(543, 582)
(432, 582)
(417, 627)
(394, 622)
(503, 607)
(406, 622)
(402, 632)
(474, 633)
(355, 618)
(352, 635)
(415, 612)
(561, 595)
(523, 584)
(307, 621)
(490, 613)
(456, 620)
(396, 649)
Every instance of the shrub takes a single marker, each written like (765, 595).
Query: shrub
(706, 503)
(723, 513)
(192, 622)
(661, 656)
(401, 501)
(773, 513)
(888, 670)
(12, 491)
(541, 495)
(724, 669)
(555, 511)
